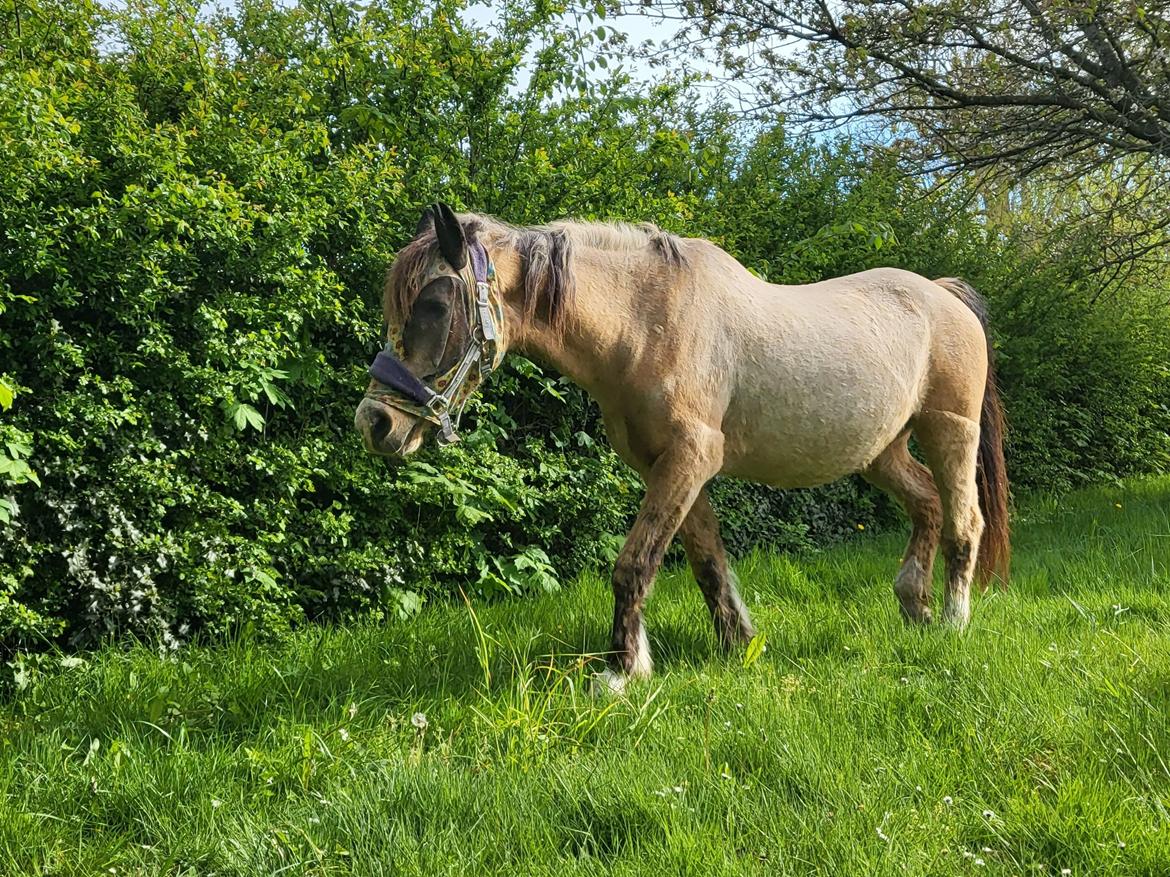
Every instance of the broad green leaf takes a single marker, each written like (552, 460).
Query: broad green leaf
(244, 415)
(471, 515)
(262, 577)
(755, 649)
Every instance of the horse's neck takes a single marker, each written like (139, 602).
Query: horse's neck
(598, 325)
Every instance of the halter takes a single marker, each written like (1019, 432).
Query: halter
(485, 315)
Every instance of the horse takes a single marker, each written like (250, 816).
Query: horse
(700, 368)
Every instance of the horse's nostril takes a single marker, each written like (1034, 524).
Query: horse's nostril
(380, 424)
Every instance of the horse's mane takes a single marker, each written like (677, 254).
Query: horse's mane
(624, 236)
(546, 259)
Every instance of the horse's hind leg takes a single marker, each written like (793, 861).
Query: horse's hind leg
(708, 559)
(909, 482)
(951, 444)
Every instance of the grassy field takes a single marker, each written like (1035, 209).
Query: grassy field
(1036, 743)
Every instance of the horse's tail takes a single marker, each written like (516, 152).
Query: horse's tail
(995, 549)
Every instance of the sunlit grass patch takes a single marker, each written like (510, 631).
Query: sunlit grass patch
(468, 740)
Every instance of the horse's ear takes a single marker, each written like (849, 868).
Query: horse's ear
(427, 219)
(452, 240)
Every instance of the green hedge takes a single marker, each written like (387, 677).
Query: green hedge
(194, 220)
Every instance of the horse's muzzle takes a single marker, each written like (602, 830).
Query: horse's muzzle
(386, 431)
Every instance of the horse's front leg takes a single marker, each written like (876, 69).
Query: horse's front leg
(672, 484)
(708, 559)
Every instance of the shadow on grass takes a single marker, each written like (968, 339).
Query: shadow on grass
(442, 660)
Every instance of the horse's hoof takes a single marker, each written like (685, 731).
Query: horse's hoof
(922, 618)
(956, 621)
(609, 683)
(735, 639)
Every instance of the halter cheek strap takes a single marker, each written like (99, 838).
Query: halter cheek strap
(403, 389)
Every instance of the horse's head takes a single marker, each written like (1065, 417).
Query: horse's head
(443, 319)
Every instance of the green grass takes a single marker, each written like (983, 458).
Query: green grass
(1038, 741)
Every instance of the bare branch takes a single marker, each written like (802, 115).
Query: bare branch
(1019, 89)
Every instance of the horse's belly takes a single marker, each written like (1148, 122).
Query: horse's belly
(814, 451)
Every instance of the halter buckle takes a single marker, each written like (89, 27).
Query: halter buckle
(486, 324)
(447, 434)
